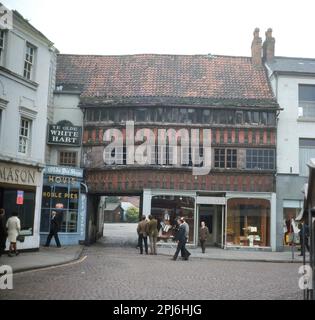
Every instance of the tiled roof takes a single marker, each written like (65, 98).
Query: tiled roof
(179, 76)
(295, 65)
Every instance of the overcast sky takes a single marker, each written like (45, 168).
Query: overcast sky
(171, 26)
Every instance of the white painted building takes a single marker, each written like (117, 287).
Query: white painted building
(293, 83)
(27, 65)
(63, 176)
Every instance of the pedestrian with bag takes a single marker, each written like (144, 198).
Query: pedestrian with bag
(54, 229)
(153, 234)
(3, 232)
(142, 230)
(203, 236)
(14, 228)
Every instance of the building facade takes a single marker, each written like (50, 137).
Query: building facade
(63, 175)
(293, 83)
(27, 61)
(157, 95)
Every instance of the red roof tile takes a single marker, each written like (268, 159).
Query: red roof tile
(148, 75)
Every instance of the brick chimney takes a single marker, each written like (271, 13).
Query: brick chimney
(257, 49)
(269, 47)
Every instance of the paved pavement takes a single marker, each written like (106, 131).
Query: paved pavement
(122, 273)
(43, 258)
(126, 235)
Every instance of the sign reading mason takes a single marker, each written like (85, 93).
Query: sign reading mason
(64, 135)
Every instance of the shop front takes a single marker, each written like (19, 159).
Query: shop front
(64, 188)
(20, 192)
(235, 220)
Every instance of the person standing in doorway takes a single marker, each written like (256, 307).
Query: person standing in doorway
(143, 234)
(203, 236)
(14, 228)
(181, 241)
(153, 234)
(54, 229)
(3, 232)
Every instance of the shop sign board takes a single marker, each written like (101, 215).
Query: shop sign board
(64, 135)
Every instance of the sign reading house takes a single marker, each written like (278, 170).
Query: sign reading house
(64, 133)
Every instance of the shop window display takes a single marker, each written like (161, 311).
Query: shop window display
(8, 201)
(248, 222)
(69, 198)
(167, 209)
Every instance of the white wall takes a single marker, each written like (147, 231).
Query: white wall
(23, 96)
(290, 128)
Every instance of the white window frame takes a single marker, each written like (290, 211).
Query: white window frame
(24, 144)
(2, 46)
(29, 61)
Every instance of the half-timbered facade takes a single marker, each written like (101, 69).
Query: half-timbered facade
(229, 97)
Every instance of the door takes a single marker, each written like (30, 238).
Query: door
(212, 216)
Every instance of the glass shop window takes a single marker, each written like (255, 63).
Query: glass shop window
(8, 199)
(248, 223)
(167, 209)
(69, 197)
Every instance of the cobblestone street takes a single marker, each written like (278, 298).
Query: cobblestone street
(121, 273)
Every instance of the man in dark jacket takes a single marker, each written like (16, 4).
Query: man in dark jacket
(304, 235)
(181, 241)
(3, 232)
(143, 234)
(54, 229)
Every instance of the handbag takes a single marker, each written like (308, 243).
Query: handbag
(20, 238)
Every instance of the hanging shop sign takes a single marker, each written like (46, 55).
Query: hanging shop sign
(64, 135)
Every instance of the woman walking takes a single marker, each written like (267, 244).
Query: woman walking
(3, 232)
(14, 228)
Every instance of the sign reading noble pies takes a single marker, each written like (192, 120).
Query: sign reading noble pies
(64, 135)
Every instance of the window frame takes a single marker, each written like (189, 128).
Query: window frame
(256, 159)
(29, 63)
(25, 140)
(3, 39)
(303, 104)
(68, 155)
(222, 161)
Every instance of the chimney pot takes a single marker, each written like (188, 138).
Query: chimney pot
(269, 47)
(257, 48)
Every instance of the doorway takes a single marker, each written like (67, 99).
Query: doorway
(212, 215)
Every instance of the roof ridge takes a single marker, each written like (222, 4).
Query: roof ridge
(151, 54)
